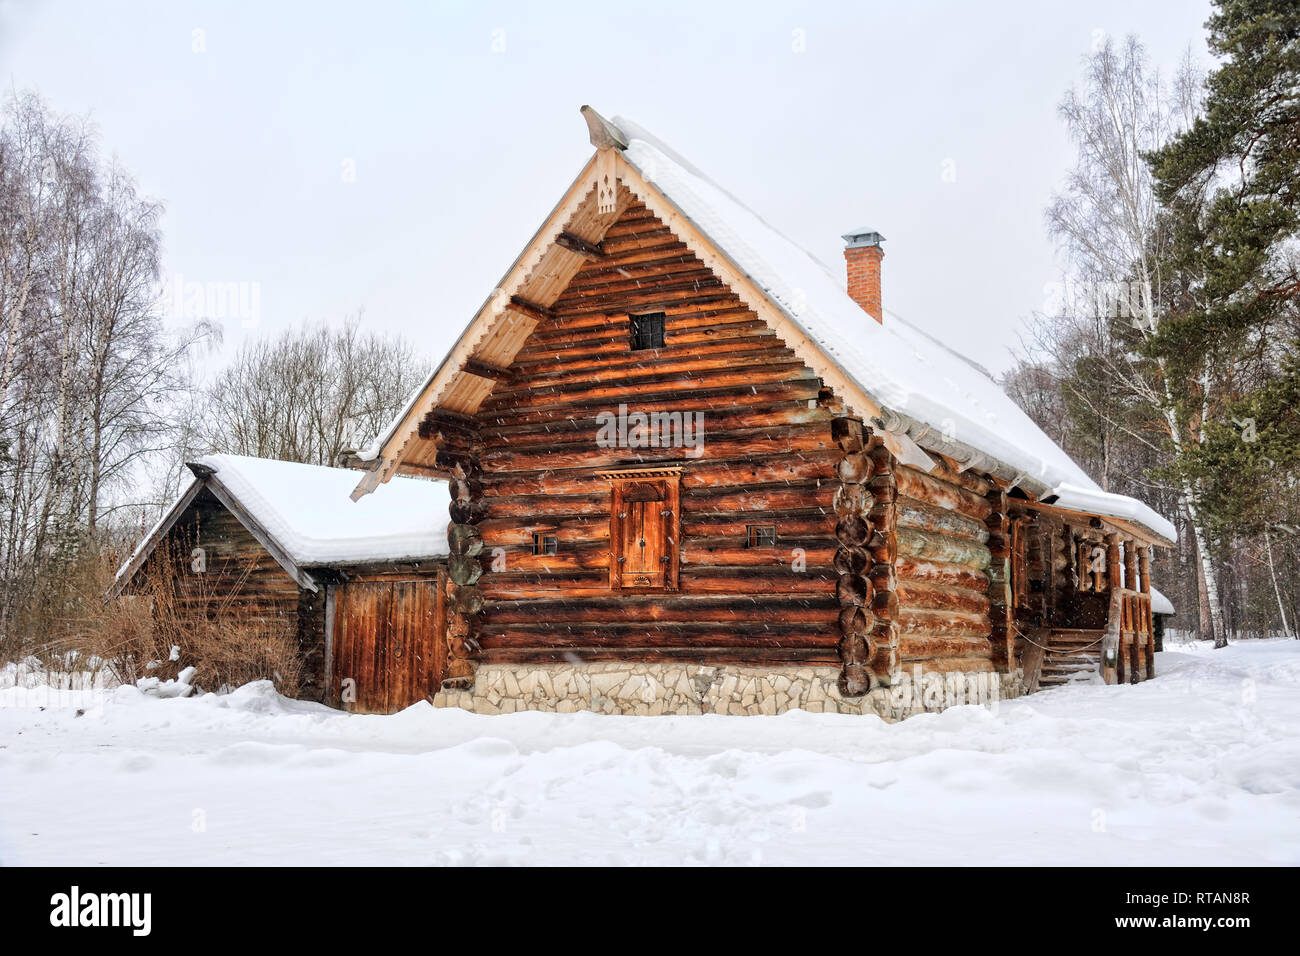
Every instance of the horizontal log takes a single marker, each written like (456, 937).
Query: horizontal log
(850, 500)
(751, 580)
(917, 644)
(617, 634)
(464, 570)
(781, 556)
(968, 664)
(855, 468)
(588, 454)
(944, 623)
(581, 427)
(634, 388)
(933, 491)
(584, 556)
(852, 560)
(667, 363)
(668, 611)
(925, 596)
(541, 508)
(968, 480)
(514, 532)
(698, 654)
(688, 286)
(771, 498)
(938, 572)
(855, 620)
(937, 547)
(789, 524)
(467, 512)
(852, 531)
(578, 332)
(853, 590)
(758, 394)
(924, 517)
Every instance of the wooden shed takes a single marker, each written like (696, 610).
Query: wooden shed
(275, 545)
(693, 469)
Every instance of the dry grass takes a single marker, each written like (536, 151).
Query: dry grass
(132, 636)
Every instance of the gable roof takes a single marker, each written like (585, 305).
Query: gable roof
(303, 516)
(917, 392)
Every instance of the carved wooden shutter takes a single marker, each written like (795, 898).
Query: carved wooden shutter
(643, 533)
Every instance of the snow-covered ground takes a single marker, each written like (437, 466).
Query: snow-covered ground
(1201, 766)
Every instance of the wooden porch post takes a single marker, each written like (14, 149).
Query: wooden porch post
(1144, 563)
(1135, 614)
(1115, 622)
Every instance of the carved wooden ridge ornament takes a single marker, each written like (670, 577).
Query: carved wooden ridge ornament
(606, 182)
(623, 474)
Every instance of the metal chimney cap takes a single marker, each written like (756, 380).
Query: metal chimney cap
(862, 237)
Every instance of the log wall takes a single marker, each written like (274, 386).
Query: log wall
(943, 570)
(768, 459)
(242, 582)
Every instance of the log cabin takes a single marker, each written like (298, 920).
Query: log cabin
(277, 547)
(692, 469)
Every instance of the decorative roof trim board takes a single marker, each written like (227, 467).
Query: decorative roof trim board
(406, 426)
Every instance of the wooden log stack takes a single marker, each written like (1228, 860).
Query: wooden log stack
(854, 562)
(883, 549)
(464, 568)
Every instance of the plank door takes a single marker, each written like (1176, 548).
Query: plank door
(389, 643)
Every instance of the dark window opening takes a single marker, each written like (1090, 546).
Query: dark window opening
(647, 331)
(545, 544)
(762, 535)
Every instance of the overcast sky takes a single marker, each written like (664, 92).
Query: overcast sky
(396, 157)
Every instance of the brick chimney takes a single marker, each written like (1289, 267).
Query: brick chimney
(862, 252)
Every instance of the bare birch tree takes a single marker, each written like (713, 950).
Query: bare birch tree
(87, 371)
(1111, 227)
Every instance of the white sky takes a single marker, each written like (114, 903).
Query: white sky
(461, 150)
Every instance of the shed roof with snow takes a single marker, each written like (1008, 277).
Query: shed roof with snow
(303, 516)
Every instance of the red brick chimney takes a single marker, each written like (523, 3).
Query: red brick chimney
(862, 252)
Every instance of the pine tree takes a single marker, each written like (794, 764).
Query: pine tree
(1231, 186)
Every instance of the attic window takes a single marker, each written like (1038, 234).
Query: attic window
(545, 544)
(762, 535)
(647, 331)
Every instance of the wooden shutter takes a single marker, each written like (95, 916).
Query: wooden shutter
(643, 533)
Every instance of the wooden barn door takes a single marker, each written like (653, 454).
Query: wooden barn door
(388, 643)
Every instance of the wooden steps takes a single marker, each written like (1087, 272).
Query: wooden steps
(1071, 654)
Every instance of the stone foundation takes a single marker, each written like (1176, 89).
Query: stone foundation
(653, 689)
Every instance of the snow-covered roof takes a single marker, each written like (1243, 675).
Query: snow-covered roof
(309, 517)
(1160, 604)
(897, 364)
(308, 511)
